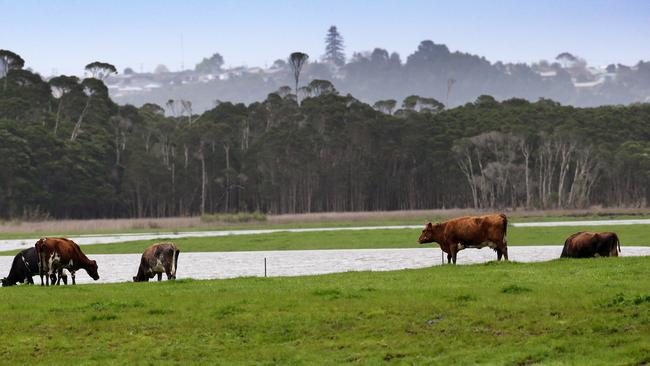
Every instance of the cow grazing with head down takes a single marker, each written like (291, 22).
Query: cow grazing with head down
(158, 258)
(468, 232)
(56, 254)
(24, 267)
(586, 245)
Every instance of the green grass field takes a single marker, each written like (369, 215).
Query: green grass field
(388, 221)
(636, 235)
(584, 312)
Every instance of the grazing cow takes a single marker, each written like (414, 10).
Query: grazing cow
(158, 258)
(55, 254)
(24, 266)
(468, 232)
(586, 245)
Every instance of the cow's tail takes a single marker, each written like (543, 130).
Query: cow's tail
(618, 242)
(505, 228)
(175, 262)
(39, 261)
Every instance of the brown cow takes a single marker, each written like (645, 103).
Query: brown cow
(586, 245)
(158, 258)
(468, 232)
(55, 254)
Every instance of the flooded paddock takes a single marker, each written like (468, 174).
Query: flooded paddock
(215, 265)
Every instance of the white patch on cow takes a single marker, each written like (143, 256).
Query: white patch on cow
(461, 246)
(54, 259)
(158, 268)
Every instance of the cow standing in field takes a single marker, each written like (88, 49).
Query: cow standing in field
(586, 245)
(468, 232)
(24, 267)
(56, 254)
(158, 258)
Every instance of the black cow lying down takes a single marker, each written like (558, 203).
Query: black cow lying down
(24, 266)
(158, 258)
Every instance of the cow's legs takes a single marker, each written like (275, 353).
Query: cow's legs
(159, 274)
(499, 254)
(449, 258)
(73, 275)
(453, 251)
(505, 252)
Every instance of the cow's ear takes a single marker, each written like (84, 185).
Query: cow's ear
(429, 226)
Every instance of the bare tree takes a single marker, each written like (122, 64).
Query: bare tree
(450, 83)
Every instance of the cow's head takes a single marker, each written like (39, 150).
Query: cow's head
(140, 276)
(6, 282)
(40, 242)
(92, 270)
(428, 233)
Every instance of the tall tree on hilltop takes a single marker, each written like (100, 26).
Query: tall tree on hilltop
(297, 60)
(210, 65)
(334, 47)
(62, 85)
(9, 61)
(100, 70)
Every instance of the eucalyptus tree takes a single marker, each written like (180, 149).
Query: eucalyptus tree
(100, 70)
(297, 60)
(61, 86)
(385, 106)
(91, 87)
(9, 61)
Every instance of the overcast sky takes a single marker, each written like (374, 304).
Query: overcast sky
(63, 36)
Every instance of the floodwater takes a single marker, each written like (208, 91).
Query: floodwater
(217, 265)
(11, 244)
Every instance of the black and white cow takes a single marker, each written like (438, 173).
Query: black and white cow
(24, 266)
(158, 258)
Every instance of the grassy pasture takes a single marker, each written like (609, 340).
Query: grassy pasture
(636, 235)
(19, 230)
(590, 312)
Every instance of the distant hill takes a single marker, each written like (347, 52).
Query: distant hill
(432, 70)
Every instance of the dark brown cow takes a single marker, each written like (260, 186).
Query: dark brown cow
(158, 258)
(585, 244)
(468, 232)
(55, 254)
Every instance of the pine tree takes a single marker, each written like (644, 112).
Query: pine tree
(334, 47)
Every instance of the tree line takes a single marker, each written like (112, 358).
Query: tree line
(68, 151)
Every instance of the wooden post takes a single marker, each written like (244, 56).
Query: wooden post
(264, 266)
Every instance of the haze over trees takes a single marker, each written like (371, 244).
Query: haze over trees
(332, 152)
(451, 77)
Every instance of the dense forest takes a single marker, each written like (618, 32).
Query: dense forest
(69, 151)
(432, 69)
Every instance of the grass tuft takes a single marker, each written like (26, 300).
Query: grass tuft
(515, 289)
